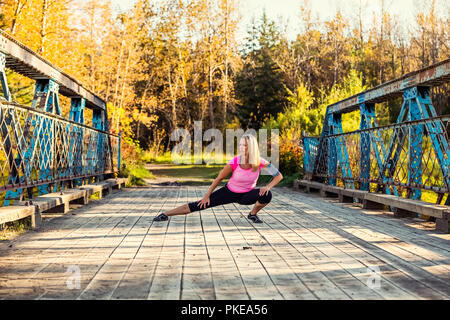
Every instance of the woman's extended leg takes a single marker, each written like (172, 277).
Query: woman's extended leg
(218, 197)
(184, 209)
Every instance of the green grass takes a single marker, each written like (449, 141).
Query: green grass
(191, 171)
(150, 158)
(136, 174)
(166, 158)
(288, 180)
(139, 171)
(207, 173)
(15, 228)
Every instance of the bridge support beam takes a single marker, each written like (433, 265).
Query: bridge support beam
(4, 82)
(77, 107)
(338, 150)
(367, 112)
(99, 122)
(46, 98)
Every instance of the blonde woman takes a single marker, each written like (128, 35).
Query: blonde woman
(244, 170)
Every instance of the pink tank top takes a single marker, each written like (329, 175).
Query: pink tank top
(243, 180)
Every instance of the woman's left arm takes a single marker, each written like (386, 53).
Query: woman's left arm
(277, 178)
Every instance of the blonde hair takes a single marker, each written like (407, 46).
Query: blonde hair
(253, 151)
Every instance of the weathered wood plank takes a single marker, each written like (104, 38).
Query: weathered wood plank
(197, 281)
(50, 260)
(287, 280)
(228, 283)
(359, 263)
(136, 282)
(94, 258)
(257, 281)
(436, 287)
(385, 223)
(166, 280)
(307, 248)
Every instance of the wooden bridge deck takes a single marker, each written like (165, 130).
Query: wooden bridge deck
(307, 248)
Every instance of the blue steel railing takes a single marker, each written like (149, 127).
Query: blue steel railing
(383, 159)
(42, 150)
(310, 148)
(403, 159)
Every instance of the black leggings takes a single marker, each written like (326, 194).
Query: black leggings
(225, 195)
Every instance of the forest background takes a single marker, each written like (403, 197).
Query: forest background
(164, 64)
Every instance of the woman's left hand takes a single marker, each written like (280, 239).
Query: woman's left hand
(264, 190)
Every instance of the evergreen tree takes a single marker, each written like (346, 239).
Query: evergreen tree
(259, 85)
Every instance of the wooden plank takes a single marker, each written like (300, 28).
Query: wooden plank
(392, 226)
(136, 282)
(228, 283)
(258, 283)
(386, 270)
(435, 288)
(315, 250)
(344, 255)
(49, 261)
(124, 249)
(34, 247)
(197, 281)
(384, 222)
(421, 207)
(13, 213)
(167, 276)
(91, 254)
(285, 277)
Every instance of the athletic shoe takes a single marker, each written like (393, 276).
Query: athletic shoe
(161, 217)
(254, 218)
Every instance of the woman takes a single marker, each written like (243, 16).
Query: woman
(240, 188)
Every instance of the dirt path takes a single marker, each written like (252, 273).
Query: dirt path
(161, 179)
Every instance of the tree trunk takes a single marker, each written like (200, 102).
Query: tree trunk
(183, 78)
(18, 8)
(172, 98)
(225, 85)
(123, 90)
(210, 104)
(43, 31)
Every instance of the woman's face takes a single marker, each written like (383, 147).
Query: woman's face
(243, 147)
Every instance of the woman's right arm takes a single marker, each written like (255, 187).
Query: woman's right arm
(225, 172)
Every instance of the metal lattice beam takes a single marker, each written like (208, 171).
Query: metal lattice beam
(23, 60)
(433, 75)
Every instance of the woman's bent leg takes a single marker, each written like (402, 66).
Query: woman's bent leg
(257, 207)
(260, 201)
(218, 197)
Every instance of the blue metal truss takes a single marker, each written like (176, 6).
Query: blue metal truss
(46, 99)
(337, 150)
(414, 155)
(417, 105)
(41, 149)
(367, 112)
(77, 107)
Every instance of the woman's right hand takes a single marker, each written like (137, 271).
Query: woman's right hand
(204, 201)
